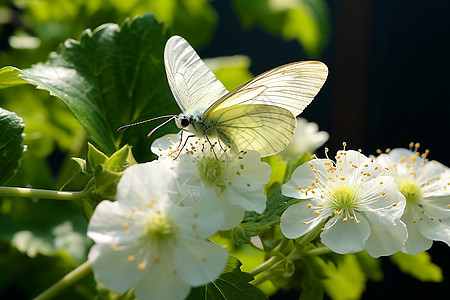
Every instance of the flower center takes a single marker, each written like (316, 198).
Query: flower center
(159, 228)
(211, 170)
(344, 197)
(411, 191)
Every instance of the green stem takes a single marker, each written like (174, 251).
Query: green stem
(308, 237)
(266, 265)
(65, 282)
(7, 191)
(319, 251)
(261, 279)
(271, 261)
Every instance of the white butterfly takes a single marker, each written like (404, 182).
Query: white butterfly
(259, 115)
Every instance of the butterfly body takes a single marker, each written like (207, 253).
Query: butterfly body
(258, 115)
(202, 127)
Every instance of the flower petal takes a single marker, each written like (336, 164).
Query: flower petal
(386, 241)
(203, 219)
(298, 219)
(387, 206)
(434, 229)
(416, 242)
(115, 268)
(233, 214)
(167, 146)
(251, 166)
(161, 282)
(351, 164)
(198, 262)
(303, 177)
(346, 237)
(109, 224)
(248, 195)
(142, 183)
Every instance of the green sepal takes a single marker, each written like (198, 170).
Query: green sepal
(105, 173)
(255, 224)
(82, 164)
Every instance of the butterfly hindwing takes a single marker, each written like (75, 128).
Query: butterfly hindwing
(264, 128)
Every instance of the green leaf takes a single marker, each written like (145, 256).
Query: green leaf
(419, 266)
(9, 76)
(305, 20)
(345, 279)
(232, 284)
(11, 148)
(255, 224)
(111, 77)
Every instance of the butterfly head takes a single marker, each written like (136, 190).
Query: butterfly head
(182, 121)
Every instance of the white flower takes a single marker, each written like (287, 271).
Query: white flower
(234, 180)
(357, 207)
(307, 138)
(145, 241)
(425, 184)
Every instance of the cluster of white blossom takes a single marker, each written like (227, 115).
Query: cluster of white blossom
(154, 238)
(398, 201)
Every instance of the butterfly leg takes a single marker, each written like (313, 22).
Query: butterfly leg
(212, 147)
(184, 144)
(221, 147)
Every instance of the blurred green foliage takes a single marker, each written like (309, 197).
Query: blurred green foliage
(304, 20)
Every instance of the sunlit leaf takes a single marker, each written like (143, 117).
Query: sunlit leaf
(419, 266)
(9, 76)
(344, 280)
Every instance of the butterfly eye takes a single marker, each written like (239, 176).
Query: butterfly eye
(185, 122)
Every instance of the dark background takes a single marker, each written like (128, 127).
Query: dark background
(388, 85)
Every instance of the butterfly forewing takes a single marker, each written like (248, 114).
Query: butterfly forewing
(292, 87)
(266, 129)
(193, 85)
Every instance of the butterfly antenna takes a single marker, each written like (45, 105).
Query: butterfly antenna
(160, 125)
(145, 121)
